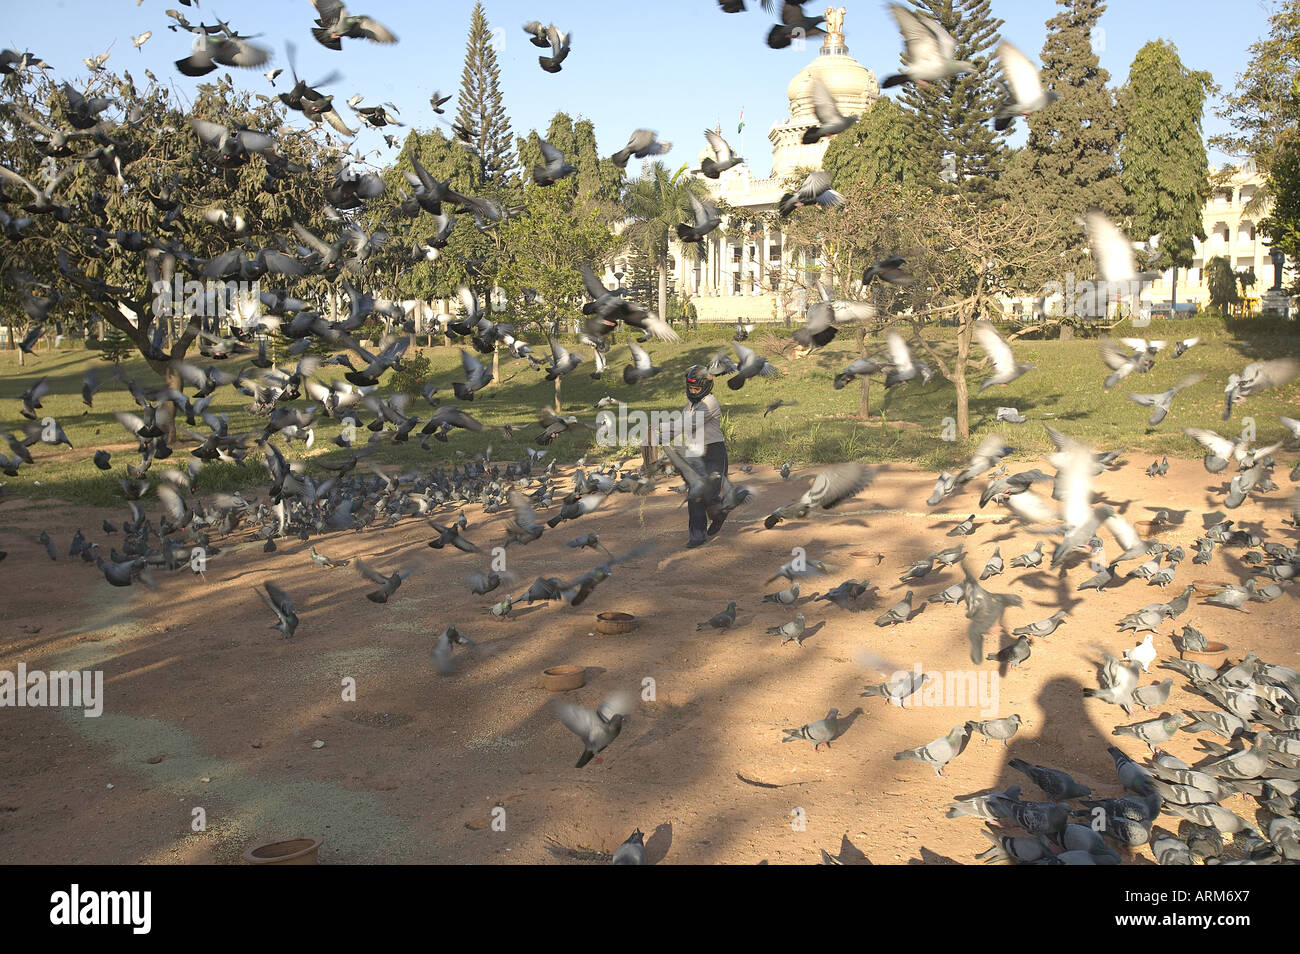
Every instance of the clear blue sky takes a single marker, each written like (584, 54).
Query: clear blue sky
(672, 65)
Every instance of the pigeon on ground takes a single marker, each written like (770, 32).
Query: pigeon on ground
(900, 612)
(822, 732)
(721, 620)
(1056, 784)
(1144, 653)
(632, 851)
(1154, 732)
(1014, 654)
(896, 691)
(1002, 729)
(938, 753)
(1044, 627)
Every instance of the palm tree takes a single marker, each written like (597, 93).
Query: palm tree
(657, 202)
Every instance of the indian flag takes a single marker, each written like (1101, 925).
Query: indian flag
(740, 128)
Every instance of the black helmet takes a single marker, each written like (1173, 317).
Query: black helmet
(699, 383)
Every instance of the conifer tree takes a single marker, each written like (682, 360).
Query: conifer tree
(1071, 159)
(953, 144)
(1165, 170)
(480, 109)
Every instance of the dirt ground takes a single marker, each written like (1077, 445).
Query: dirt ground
(208, 708)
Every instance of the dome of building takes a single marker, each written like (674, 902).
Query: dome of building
(851, 85)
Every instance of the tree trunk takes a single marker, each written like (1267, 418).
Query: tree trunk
(663, 290)
(558, 409)
(959, 376)
(865, 403)
(1173, 292)
(496, 363)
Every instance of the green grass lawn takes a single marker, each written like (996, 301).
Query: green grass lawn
(1064, 389)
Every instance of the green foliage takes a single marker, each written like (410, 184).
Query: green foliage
(1264, 107)
(657, 202)
(1283, 221)
(416, 371)
(1222, 283)
(953, 146)
(480, 107)
(1070, 160)
(1165, 171)
(115, 345)
(874, 150)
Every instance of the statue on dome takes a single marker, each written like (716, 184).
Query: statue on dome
(835, 21)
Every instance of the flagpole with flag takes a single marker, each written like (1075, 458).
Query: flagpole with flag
(740, 130)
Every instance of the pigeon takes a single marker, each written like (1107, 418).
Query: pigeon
(1154, 695)
(705, 218)
(1025, 94)
(828, 489)
(559, 42)
(334, 24)
(723, 158)
(1014, 654)
(900, 612)
(895, 691)
(793, 631)
(387, 584)
(785, 597)
(721, 620)
(282, 605)
(1113, 255)
(991, 807)
(442, 647)
(892, 270)
(1056, 784)
(642, 143)
(1144, 653)
(1160, 403)
(598, 727)
(830, 121)
(964, 529)
(814, 190)
(553, 166)
(1005, 367)
(1031, 559)
(632, 851)
(952, 595)
(844, 594)
(1042, 628)
(929, 50)
(938, 753)
(1010, 415)
(822, 732)
(1001, 729)
(1155, 732)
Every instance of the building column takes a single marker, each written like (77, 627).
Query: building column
(745, 288)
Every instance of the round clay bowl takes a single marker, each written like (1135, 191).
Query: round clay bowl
(1208, 587)
(563, 678)
(1211, 649)
(615, 624)
(296, 851)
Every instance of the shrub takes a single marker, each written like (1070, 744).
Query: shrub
(417, 370)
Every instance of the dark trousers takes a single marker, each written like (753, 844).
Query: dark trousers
(714, 461)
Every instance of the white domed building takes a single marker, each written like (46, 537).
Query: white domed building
(742, 279)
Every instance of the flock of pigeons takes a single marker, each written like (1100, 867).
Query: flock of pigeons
(310, 500)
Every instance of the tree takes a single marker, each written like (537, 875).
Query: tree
(1264, 107)
(1070, 160)
(657, 202)
(953, 143)
(1165, 171)
(1283, 221)
(146, 186)
(1222, 283)
(874, 150)
(563, 226)
(480, 108)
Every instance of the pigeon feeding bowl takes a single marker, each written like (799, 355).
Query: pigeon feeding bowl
(1208, 587)
(563, 678)
(296, 851)
(615, 624)
(1211, 649)
(1152, 528)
